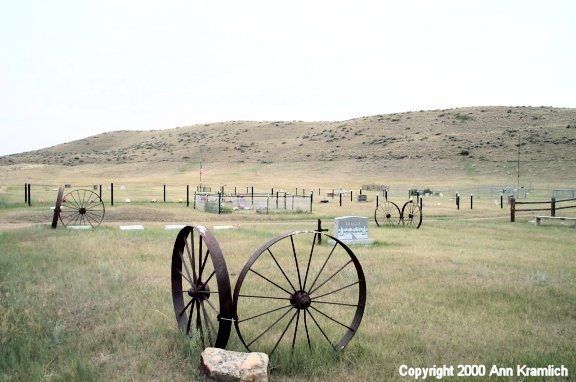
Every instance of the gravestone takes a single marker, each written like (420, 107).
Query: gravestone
(352, 230)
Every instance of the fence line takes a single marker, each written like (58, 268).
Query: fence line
(553, 206)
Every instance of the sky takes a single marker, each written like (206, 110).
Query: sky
(71, 69)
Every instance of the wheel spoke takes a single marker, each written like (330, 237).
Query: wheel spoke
(331, 277)
(335, 291)
(212, 306)
(323, 265)
(296, 261)
(185, 278)
(265, 313)
(199, 325)
(203, 265)
(309, 261)
(285, 330)
(295, 329)
(190, 252)
(74, 201)
(190, 279)
(209, 277)
(333, 319)
(192, 303)
(186, 307)
(321, 330)
(306, 327)
(209, 325)
(270, 281)
(264, 297)
(338, 303)
(281, 270)
(270, 327)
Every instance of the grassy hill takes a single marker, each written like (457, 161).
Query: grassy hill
(474, 141)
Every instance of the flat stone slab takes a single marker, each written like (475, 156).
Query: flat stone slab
(229, 366)
(135, 227)
(79, 226)
(169, 227)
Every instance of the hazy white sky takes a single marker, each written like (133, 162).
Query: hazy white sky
(70, 69)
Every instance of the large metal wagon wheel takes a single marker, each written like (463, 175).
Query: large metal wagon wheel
(411, 214)
(81, 207)
(56, 215)
(303, 294)
(201, 290)
(387, 213)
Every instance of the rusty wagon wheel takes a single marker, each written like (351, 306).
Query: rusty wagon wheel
(411, 214)
(387, 213)
(201, 290)
(81, 208)
(57, 207)
(300, 293)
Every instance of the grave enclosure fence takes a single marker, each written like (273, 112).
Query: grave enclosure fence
(279, 202)
(199, 197)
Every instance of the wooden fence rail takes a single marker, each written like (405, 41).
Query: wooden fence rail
(553, 206)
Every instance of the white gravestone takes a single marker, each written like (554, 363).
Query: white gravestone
(352, 230)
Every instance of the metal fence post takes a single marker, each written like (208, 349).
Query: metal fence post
(111, 194)
(187, 195)
(29, 195)
(552, 206)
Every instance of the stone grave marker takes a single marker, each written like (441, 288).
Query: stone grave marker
(352, 230)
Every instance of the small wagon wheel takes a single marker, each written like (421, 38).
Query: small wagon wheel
(387, 213)
(201, 290)
(81, 207)
(411, 214)
(57, 207)
(297, 292)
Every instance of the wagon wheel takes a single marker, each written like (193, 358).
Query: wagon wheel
(201, 290)
(57, 207)
(81, 207)
(294, 291)
(411, 214)
(387, 213)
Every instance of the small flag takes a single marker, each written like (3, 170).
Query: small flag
(201, 169)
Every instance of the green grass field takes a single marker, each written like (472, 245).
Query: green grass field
(468, 287)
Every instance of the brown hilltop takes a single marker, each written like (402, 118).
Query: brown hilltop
(478, 136)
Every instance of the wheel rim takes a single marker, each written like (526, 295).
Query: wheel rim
(57, 207)
(81, 207)
(387, 213)
(201, 291)
(299, 293)
(411, 214)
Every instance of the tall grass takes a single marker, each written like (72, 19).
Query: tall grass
(96, 305)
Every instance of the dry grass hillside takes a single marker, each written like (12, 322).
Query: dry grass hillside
(463, 141)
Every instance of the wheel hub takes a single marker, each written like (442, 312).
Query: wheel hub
(300, 300)
(82, 211)
(200, 291)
